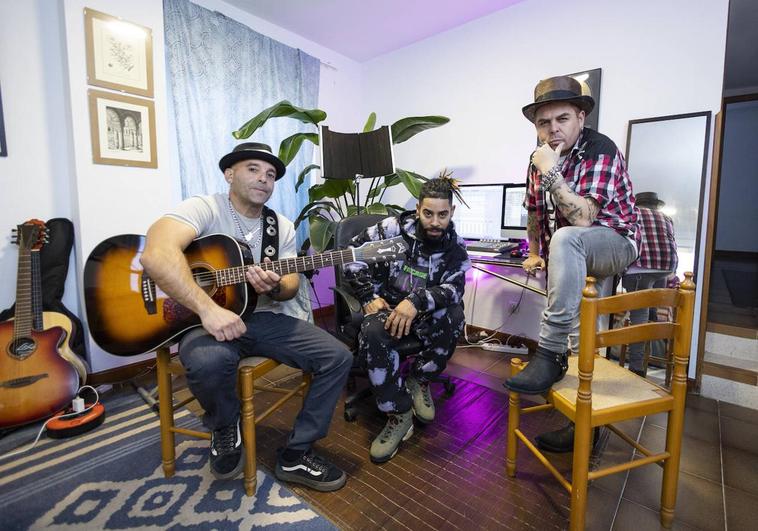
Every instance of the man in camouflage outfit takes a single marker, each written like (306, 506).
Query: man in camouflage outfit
(419, 294)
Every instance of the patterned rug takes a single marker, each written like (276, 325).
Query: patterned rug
(111, 478)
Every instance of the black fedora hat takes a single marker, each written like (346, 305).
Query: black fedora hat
(648, 199)
(559, 88)
(256, 151)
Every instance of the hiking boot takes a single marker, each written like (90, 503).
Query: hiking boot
(423, 405)
(540, 374)
(399, 428)
(226, 452)
(562, 440)
(312, 471)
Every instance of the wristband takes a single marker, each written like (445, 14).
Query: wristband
(550, 178)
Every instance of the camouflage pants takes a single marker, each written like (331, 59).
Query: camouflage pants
(438, 333)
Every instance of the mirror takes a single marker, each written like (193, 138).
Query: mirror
(668, 155)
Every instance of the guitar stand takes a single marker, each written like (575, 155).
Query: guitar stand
(148, 396)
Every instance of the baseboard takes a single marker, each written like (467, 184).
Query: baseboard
(120, 374)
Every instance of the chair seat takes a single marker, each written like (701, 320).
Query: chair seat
(252, 361)
(617, 393)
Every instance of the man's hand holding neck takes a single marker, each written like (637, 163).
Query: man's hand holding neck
(578, 210)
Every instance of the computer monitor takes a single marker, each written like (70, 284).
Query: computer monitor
(491, 206)
(514, 214)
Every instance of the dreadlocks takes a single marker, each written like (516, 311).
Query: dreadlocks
(439, 188)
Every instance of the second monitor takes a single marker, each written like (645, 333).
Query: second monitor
(496, 212)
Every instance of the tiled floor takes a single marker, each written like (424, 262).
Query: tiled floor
(451, 474)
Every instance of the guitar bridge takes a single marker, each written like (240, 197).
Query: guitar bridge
(148, 294)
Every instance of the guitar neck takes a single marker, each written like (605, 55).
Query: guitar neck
(23, 321)
(236, 275)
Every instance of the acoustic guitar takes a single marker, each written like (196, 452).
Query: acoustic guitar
(35, 381)
(128, 314)
(43, 320)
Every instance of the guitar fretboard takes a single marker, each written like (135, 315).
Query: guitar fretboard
(22, 325)
(236, 275)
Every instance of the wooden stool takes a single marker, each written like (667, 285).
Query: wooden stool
(249, 370)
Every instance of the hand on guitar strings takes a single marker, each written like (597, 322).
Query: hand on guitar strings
(263, 281)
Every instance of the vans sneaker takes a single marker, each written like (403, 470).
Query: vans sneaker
(226, 452)
(312, 471)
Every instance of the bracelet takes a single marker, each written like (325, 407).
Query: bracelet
(550, 178)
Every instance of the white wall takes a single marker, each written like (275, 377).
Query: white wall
(657, 58)
(50, 173)
(35, 177)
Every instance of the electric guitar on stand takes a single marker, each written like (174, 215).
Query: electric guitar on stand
(35, 381)
(128, 314)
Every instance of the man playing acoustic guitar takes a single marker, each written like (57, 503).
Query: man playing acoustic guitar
(211, 353)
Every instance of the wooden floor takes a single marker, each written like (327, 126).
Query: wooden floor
(451, 474)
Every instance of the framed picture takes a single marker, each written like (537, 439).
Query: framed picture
(3, 144)
(122, 129)
(119, 54)
(590, 80)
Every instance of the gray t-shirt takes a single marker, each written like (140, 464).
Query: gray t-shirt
(211, 214)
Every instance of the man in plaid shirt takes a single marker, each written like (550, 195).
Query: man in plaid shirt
(595, 232)
(657, 261)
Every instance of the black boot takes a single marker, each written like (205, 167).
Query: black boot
(562, 441)
(543, 371)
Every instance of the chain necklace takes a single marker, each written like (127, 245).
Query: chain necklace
(248, 234)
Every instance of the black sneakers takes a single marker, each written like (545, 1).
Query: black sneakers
(312, 471)
(226, 452)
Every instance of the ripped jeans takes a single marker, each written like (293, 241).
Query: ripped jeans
(438, 333)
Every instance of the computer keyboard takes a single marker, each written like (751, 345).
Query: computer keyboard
(490, 246)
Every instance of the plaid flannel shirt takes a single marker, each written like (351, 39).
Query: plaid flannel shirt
(594, 168)
(658, 247)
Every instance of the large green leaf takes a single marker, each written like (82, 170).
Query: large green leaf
(376, 191)
(394, 210)
(278, 110)
(291, 145)
(312, 208)
(375, 208)
(404, 129)
(332, 188)
(322, 230)
(412, 181)
(301, 177)
(370, 123)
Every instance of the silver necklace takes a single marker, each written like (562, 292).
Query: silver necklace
(248, 234)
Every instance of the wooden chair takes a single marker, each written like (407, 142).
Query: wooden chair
(667, 360)
(249, 370)
(597, 392)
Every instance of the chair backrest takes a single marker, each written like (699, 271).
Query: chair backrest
(345, 231)
(681, 300)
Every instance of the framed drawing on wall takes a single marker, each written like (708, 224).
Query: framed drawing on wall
(119, 54)
(122, 129)
(590, 80)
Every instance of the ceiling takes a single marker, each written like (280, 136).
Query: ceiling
(362, 30)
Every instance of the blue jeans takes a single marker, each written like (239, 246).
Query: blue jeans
(576, 252)
(635, 282)
(212, 370)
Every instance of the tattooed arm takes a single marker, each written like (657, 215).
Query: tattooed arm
(579, 211)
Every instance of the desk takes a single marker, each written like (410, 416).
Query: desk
(514, 306)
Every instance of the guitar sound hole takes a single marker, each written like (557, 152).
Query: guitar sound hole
(22, 347)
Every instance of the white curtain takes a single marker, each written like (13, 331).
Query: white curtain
(220, 74)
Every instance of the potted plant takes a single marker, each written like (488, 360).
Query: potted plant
(335, 199)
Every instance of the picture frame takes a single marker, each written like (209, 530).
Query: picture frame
(3, 143)
(592, 80)
(119, 54)
(118, 131)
